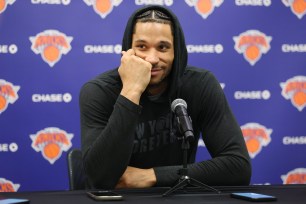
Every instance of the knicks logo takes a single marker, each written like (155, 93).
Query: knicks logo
(51, 142)
(296, 176)
(8, 94)
(103, 7)
(204, 7)
(4, 3)
(298, 7)
(51, 44)
(295, 90)
(256, 136)
(8, 186)
(252, 44)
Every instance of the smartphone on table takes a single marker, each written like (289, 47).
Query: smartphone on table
(104, 195)
(14, 201)
(253, 196)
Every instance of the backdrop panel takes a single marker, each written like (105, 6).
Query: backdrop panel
(50, 48)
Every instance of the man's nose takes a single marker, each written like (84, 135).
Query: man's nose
(152, 57)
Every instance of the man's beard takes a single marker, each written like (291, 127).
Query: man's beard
(162, 84)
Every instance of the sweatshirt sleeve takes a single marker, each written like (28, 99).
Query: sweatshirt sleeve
(107, 136)
(230, 163)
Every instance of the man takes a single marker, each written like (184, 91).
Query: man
(130, 136)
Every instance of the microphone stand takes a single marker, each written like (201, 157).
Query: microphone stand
(184, 179)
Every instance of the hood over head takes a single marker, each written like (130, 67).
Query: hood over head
(180, 52)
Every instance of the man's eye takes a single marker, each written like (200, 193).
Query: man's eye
(163, 47)
(141, 46)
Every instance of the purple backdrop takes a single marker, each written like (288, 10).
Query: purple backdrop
(50, 48)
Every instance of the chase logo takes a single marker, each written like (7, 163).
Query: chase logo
(256, 137)
(158, 2)
(298, 7)
(103, 7)
(4, 3)
(260, 95)
(252, 44)
(218, 48)
(58, 2)
(253, 2)
(103, 49)
(51, 142)
(294, 89)
(8, 94)
(204, 7)
(8, 186)
(296, 176)
(51, 45)
(52, 98)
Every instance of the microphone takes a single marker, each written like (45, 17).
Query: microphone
(179, 107)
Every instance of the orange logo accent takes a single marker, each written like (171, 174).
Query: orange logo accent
(8, 186)
(252, 44)
(204, 7)
(103, 7)
(296, 176)
(256, 136)
(4, 3)
(51, 142)
(298, 7)
(51, 44)
(8, 94)
(295, 90)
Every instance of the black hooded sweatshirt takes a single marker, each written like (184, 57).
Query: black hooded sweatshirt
(117, 133)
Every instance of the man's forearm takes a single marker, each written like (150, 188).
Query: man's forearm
(108, 157)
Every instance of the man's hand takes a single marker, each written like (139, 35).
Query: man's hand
(137, 178)
(135, 74)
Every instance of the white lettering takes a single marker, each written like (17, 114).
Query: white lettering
(294, 47)
(253, 2)
(294, 140)
(265, 94)
(64, 2)
(8, 49)
(3, 147)
(260, 184)
(252, 95)
(13, 147)
(3, 49)
(218, 48)
(159, 2)
(67, 97)
(118, 49)
(95, 49)
(168, 2)
(205, 48)
(13, 49)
